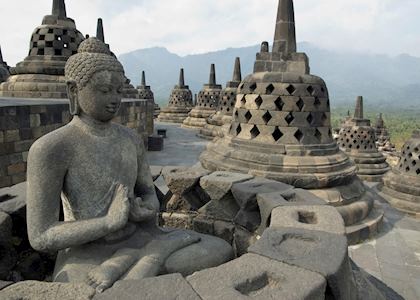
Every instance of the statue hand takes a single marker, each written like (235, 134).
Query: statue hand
(141, 210)
(118, 212)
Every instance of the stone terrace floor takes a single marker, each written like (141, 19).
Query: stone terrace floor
(393, 256)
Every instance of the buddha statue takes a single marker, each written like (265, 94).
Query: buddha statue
(97, 171)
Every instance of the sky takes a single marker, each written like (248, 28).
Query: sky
(198, 26)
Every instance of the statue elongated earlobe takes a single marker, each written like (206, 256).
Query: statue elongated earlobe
(72, 94)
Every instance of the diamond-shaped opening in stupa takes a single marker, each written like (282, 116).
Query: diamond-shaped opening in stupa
(253, 87)
(267, 117)
(300, 104)
(310, 118)
(289, 118)
(270, 89)
(279, 103)
(277, 134)
(291, 89)
(255, 132)
(299, 135)
(258, 101)
(248, 116)
(318, 134)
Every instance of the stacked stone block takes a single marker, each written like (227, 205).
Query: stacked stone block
(219, 123)
(21, 125)
(357, 139)
(145, 93)
(207, 102)
(180, 103)
(402, 185)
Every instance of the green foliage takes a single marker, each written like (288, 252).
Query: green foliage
(400, 123)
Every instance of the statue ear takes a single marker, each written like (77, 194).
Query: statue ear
(72, 94)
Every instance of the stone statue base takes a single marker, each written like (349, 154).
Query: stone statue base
(197, 118)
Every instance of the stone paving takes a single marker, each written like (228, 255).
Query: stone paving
(393, 256)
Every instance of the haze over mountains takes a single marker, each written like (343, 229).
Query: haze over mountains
(385, 82)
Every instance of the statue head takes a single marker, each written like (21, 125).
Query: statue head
(95, 80)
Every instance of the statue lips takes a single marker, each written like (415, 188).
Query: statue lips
(112, 108)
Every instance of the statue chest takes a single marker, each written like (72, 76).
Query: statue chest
(94, 167)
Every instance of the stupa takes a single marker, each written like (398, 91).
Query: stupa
(281, 130)
(41, 74)
(144, 91)
(357, 140)
(4, 69)
(219, 123)
(383, 138)
(207, 102)
(180, 103)
(129, 91)
(402, 185)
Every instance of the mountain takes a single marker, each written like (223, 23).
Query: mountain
(384, 81)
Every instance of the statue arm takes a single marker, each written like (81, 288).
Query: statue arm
(46, 172)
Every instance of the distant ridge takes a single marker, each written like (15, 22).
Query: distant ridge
(384, 81)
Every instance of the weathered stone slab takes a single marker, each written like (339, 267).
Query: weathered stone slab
(218, 184)
(156, 171)
(36, 290)
(255, 277)
(168, 287)
(242, 239)
(7, 252)
(321, 252)
(320, 218)
(181, 180)
(251, 220)
(245, 193)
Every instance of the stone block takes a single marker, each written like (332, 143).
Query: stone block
(8, 254)
(242, 239)
(251, 220)
(177, 220)
(181, 180)
(36, 290)
(177, 203)
(218, 184)
(224, 230)
(203, 225)
(245, 193)
(255, 277)
(321, 252)
(319, 218)
(16, 169)
(11, 135)
(172, 286)
(225, 208)
(156, 171)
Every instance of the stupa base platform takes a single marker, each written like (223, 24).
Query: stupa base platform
(197, 118)
(371, 166)
(34, 86)
(173, 114)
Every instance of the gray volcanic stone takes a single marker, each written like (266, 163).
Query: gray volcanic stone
(156, 171)
(5, 284)
(36, 290)
(321, 252)
(182, 180)
(245, 193)
(321, 218)
(218, 184)
(168, 287)
(255, 277)
(242, 239)
(7, 252)
(248, 219)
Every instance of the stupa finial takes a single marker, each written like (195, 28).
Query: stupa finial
(212, 79)
(1, 56)
(59, 9)
(285, 34)
(358, 112)
(181, 78)
(100, 31)
(143, 78)
(237, 76)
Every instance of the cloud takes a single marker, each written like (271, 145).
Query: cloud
(196, 26)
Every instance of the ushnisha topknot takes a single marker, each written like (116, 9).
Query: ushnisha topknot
(93, 56)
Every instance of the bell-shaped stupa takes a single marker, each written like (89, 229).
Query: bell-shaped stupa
(4, 69)
(207, 102)
(402, 185)
(357, 140)
(180, 103)
(281, 130)
(41, 74)
(218, 124)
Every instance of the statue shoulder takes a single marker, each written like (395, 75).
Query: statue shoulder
(53, 146)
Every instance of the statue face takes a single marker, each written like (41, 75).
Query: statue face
(101, 97)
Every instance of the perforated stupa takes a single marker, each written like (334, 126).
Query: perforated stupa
(180, 103)
(357, 140)
(281, 130)
(207, 102)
